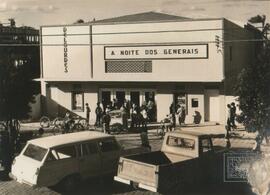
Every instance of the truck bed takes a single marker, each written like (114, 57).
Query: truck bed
(157, 158)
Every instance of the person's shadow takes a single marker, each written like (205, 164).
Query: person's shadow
(197, 117)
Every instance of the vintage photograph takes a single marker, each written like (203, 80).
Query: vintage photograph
(138, 97)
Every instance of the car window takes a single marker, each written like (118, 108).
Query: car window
(108, 145)
(181, 142)
(52, 156)
(206, 145)
(35, 152)
(93, 149)
(66, 152)
(83, 151)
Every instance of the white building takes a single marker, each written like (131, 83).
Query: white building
(192, 61)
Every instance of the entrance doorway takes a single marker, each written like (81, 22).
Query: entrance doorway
(120, 97)
(135, 97)
(212, 105)
(105, 98)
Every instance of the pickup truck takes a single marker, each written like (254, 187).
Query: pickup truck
(185, 158)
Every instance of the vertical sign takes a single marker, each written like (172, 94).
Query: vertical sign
(65, 50)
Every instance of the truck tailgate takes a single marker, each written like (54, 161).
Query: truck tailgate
(137, 172)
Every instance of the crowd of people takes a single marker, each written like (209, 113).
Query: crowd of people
(139, 115)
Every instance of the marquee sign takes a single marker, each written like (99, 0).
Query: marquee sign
(198, 51)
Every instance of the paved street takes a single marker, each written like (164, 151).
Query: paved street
(240, 139)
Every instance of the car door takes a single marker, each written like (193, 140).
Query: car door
(60, 162)
(89, 159)
(110, 152)
(207, 158)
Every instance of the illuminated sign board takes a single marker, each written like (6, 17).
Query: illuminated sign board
(198, 51)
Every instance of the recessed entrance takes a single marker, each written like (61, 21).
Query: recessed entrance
(135, 97)
(106, 98)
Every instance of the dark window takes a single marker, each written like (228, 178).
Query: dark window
(66, 152)
(180, 142)
(93, 149)
(83, 150)
(109, 145)
(35, 152)
(128, 66)
(194, 102)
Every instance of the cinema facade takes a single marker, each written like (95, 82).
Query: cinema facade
(194, 62)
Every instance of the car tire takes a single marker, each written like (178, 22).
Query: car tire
(44, 122)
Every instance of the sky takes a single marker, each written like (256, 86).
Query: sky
(50, 12)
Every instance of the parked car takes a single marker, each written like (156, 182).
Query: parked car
(185, 158)
(68, 158)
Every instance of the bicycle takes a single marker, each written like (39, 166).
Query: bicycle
(57, 123)
(75, 124)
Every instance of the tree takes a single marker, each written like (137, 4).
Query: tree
(16, 89)
(253, 91)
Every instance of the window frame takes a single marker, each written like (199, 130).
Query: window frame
(73, 106)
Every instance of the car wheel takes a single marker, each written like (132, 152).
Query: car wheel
(44, 122)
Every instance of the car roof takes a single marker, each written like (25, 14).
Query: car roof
(63, 139)
(190, 133)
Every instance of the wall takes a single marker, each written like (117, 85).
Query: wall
(167, 33)
(66, 56)
(79, 47)
(243, 53)
(58, 102)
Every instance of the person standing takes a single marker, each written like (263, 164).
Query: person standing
(178, 113)
(150, 110)
(133, 115)
(123, 110)
(233, 115)
(183, 115)
(88, 110)
(106, 119)
(229, 117)
(144, 117)
(98, 112)
(172, 112)
(67, 122)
